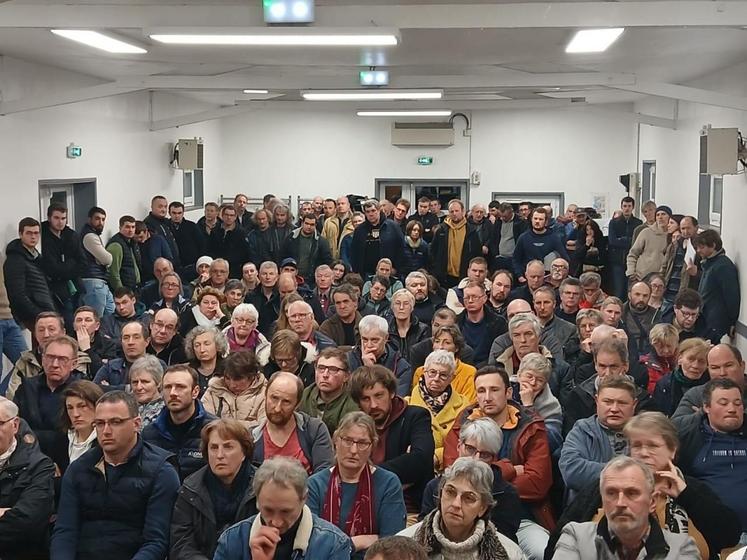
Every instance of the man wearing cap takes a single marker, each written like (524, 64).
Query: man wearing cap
(308, 248)
(647, 253)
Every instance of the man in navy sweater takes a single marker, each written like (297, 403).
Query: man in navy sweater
(536, 243)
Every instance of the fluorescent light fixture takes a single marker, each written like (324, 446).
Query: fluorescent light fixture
(298, 38)
(288, 11)
(410, 113)
(381, 95)
(374, 78)
(99, 41)
(259, 91)
(593, 40)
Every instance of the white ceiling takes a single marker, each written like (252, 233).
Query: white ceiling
(473, 51)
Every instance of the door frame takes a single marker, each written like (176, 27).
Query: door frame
(528, 195)
(50, 184)
(463, 183)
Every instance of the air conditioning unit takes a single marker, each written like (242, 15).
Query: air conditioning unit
(719, 151)
(422, 134)
(189, 154)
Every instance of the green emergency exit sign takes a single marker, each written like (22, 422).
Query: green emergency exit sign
(425, 160)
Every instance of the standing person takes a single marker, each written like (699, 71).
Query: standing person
(536, 243)
(243, 215)
(620, 239)
(97, 261)
(427, 220)
(210, 220)
(282, 227)
(339, 226)
(124, 270)
(62, 261)
(260, 239)
(719, 286)
(189, 240)
(399, 213)
(152, 248)
(307, 248)
(25, 280)
(505, 235)
(12, 341)
(416, 253)
(158, 222)
(375, 238)
(679, 270)
(646, 255)
(638, 316)
(454, 244)
(116, 500)
(228, 241)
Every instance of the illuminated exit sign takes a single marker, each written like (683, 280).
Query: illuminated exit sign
(425, 160)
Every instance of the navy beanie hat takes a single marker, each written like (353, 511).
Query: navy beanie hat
(664, 208)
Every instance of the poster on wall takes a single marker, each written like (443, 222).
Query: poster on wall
(599, 203)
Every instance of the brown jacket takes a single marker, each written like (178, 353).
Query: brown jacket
(248, 407)
(332, 327)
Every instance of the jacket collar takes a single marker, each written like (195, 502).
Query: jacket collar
(655, 544)
(303, 535)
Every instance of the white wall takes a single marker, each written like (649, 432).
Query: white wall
(129, 162)
(677, 155)
(333, 152)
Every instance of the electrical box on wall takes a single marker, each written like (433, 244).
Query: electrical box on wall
(719, 151)
(189, 154)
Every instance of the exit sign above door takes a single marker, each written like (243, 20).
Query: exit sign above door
(425, 160)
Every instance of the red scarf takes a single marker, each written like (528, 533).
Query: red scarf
(361, 519)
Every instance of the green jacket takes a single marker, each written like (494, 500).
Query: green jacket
(331, 414)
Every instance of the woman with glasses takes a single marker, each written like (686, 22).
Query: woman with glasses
(243, 333)
(206, 348)
(239, 393)
(460, 526)
(683, 504)
(216, 496)
(364, 501)
(656, 283)
(77, 418)
(170, 289)
(146, 374)
(435, 393)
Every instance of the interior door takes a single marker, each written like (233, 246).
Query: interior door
(57, 193)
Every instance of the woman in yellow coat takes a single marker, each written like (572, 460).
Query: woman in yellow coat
(449, 337)
(435, 393)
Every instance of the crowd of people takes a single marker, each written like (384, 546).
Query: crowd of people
(371, 380)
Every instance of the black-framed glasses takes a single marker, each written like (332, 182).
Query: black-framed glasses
(471, 451)
(360, 444)
(114, 422)
(3, 422)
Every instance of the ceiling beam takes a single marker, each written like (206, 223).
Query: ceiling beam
(65, 97)
(202, 116)
(685, 93)
(652, 13)
(631, 116)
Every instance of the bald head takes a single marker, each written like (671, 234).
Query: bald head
(603, 333)
(725, 362)
(518, 306)
(287, 284)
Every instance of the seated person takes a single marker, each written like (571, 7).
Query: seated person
(593, 441)
(435, 393)
(662, 358)
(342, 325)
(405, 445)
(477, 271)
(683, 503)
(243, 333)
(177, 427)
(239, 393)
(544, 308)
(577, 350)
(691, 371)
(377, 297)
(146, 376)
(362, 500)
(479, 324)
(449, 338)
(115, 373)
(396, 548)
(171, 294)
(26, 490)
(284, 524)
(591, 286)
(504, 342)
(166, 343)
(97, 346)
(216, 496)
(288, 353)
(458, 527)
(627, 489)
(328, 398)
(301, 321)
(126, 513)
(686, 316)
(80, 398)
(405, 329)
(126, 310)
(375, 349)
(205, 348)
(482, 438)
(441, 318)
(205, 312)
(288, 432)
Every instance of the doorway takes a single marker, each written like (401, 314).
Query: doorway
(78, 196)
(412, 189)
(648, 181)
(556, 200)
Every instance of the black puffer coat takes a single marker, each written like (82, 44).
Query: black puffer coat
(26, 283)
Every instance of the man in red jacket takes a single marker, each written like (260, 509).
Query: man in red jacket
(524, 458)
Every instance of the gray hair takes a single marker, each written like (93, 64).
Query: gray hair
(441, 358)
(148, 364)
(220, 261)
(477, 473)
(283, 471)
(268, 264)
(589, 279)
(403, 293)
(524, 319)
(221, 342)
(487, 433)
(416, 274)
(373, 323)
(622, 462)
(536, 363)
(10, 408)
(244, 309)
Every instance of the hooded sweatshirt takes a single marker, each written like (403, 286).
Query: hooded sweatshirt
(457, 233)
(398, 408)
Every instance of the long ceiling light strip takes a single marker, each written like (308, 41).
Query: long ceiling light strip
(274, 39)
(382, 95)
(99, 41)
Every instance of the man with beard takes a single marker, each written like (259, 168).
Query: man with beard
(228, 241)
(178, 426)
(500, 288)
(405, 445)
(287, 432)
(455, 244)
(627, 529)
(559, 269)
(97, 260)
(159, 223)
(417, 284)
(243, 216)
(638, 316)
(536, 244)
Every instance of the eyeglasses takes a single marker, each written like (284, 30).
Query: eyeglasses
(62, 360)
(239, 321)
(531, 377)
(689, 314)
(350, 442)
(170, 285)
(472, 451)
(334, 370)
(474, 298)
(283, 361)
(113, 423)
(163, 326)
(451, 493)
(443, 376)
(297, 316)
(3, 422)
